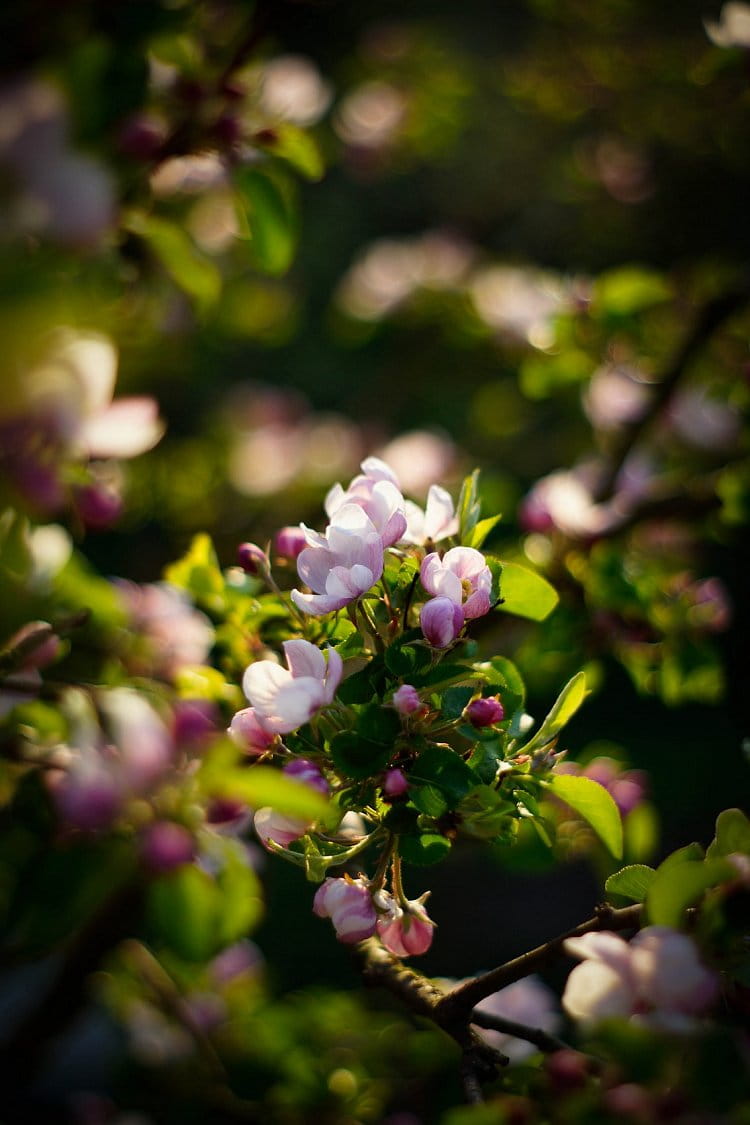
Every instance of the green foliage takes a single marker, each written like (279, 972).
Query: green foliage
(266, 219)
(567, 703)
(525, 593)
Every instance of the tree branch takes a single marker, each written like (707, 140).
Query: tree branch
(457, 1004)
(541, 1039)
(712, 315)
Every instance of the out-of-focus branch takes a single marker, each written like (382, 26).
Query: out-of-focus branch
(541, 1039)
(712, 315)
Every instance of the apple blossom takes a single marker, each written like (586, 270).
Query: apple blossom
(252, 558)
(166, 845)
(377, 494)
(340, 565)
(283, 830)
(348, 903)
(175, 634)
(247, 732)
(284, 700)
(461, 575)
(658, 977)
(404, 929)
(437, 521)
(441, 621)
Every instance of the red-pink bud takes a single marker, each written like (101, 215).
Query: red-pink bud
(194, 721)
(289, 542)
(406, 700)
(484, 712)
(98, 505)
(404, 930)
(252, 558)
(395, 783)
(166, 845)
(309, 774)
(348, 903)
(442, 621)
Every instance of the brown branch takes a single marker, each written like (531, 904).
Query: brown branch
(541, 1039)
(712, 315)
(459, 1002)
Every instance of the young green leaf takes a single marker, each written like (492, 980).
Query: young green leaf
(265, 220)
(195, 274)
(678, 885)
(526, 593)
(732, 834)
(259, 786)
(481, 530)
(469, 506)
(592, 802)
(567, 703)
(631, 882)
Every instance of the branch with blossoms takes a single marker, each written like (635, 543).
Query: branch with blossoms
(384, 708)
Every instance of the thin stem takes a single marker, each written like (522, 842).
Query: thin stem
(536, 1035)
(396, 880)
(459, 1002)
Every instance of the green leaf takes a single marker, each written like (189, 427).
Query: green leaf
(469, 506)
(262, 785)
(359, 757)
(265, 220)
(443, 674)
(592, 802)
(732, 834)
(379, 724)
(361, 686)
(677, 885)
(631, 882)
(628, 290)
(454, 701)
(182, 909)
(567, 703)
(484, 813)
(481, 530)
(445, 770)
(195, 274)
(198, 574)
(423, 850)
(429, 800)
(526, 593)
(294, 145)
(406, 660)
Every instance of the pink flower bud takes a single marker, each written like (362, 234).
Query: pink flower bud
(87, 799)
(194, 721)
(166, 845)
(348, 903)
(98, 505)
(225, 811)
(395, 783)
(442, 621)
(406, 700)
(41, 654)
(252, 558)
(485, 712)
(309, 774)
(289, 542)
(404, 931)
(247, 732)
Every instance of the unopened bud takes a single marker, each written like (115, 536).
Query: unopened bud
(252, 558)
(485, 712)
(406, 700)
(442, 621)
(395, 783)
(289, 542)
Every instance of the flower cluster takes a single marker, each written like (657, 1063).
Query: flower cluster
(367, 713)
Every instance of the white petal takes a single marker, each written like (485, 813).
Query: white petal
(262, 681)
(305, 659)
(126, 428)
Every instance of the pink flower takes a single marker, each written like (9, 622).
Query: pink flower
(406, 700)
(166, 845)
(283, 830)
(348, 903)
(485, 712)
(285, 700)
(340, 565)
(461, 575)
(175, 633)
(442, 621)
(247, 732)
(376, 492)
(658, 977)
(438, 520)
(404, 930)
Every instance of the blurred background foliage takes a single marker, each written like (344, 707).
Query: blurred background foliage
(512, 236)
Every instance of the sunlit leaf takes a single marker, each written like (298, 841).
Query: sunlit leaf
(569, 700)
(266, 220)
(631, 882)
(526, 593)
(593, 803)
